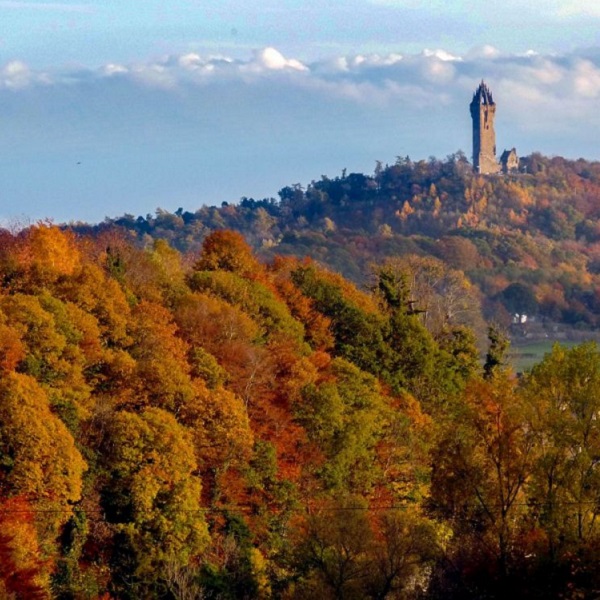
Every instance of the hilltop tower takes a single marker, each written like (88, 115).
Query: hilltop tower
(483, 110)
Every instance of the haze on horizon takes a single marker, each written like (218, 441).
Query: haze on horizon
(107, 108)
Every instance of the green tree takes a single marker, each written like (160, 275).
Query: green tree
(356, 325)
(153, 495)
(564, 392)
(345, 418)
(496, 359)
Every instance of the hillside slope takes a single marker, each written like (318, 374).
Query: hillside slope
(530, 243)
(230, 429)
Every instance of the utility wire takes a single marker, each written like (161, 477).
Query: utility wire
(253, 507)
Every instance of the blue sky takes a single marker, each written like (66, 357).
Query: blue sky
(113, 107)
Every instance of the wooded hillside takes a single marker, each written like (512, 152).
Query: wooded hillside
(529, 242)
(217, 427)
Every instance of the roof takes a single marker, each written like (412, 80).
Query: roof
(483, 95)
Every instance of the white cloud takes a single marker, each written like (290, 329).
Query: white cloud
(373, 60)
(114, 69)
(350, 64)
(438, 71)
(272, 60)
(191, 61)
(586, 79)
(194, 62)
(441, 55)
(427, 78)
(16, 75)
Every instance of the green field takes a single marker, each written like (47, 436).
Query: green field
(523, 356)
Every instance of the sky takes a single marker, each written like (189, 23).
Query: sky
(121, 107)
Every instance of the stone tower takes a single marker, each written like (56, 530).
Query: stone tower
(483, 109)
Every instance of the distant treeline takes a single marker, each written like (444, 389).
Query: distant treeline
(530, 242)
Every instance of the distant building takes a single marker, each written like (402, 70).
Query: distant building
(509, 161)
(483, 110)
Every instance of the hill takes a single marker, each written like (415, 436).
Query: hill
(529, 242)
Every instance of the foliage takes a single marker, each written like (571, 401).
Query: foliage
(564, 391)
(537, 229)
(253, 297)
(38, 457)
(211, 426)
(153, 494)
(23, 573)
(344, 554)
(345, 418)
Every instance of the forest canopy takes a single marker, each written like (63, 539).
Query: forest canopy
(214, 425)
(529, 242)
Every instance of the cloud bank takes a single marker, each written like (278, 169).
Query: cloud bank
(554, 82)
(190, 128)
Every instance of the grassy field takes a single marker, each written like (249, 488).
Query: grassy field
(524, 356)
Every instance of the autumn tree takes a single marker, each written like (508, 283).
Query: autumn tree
(219, 428)
(91, 290)
(254, 298)
(152, 496)
(39, 459)
(481, 467)
(564, 392)
(334, 551)
(161, 367)
(228, 251)
(228, 333)
(45, 253)
(355, 321)
(23, 571)
(345, 418)
(443, 296)
(346, 551)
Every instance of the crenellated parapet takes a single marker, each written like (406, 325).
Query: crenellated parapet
(482, 95)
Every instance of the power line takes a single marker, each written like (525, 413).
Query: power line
(255, 507)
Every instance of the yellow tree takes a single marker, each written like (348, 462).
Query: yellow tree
(162, 372)
(53, 251)
(153, 495)
(50, 333)
(228, 251)
(220, 430)
(91, 290)
(38, 457)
